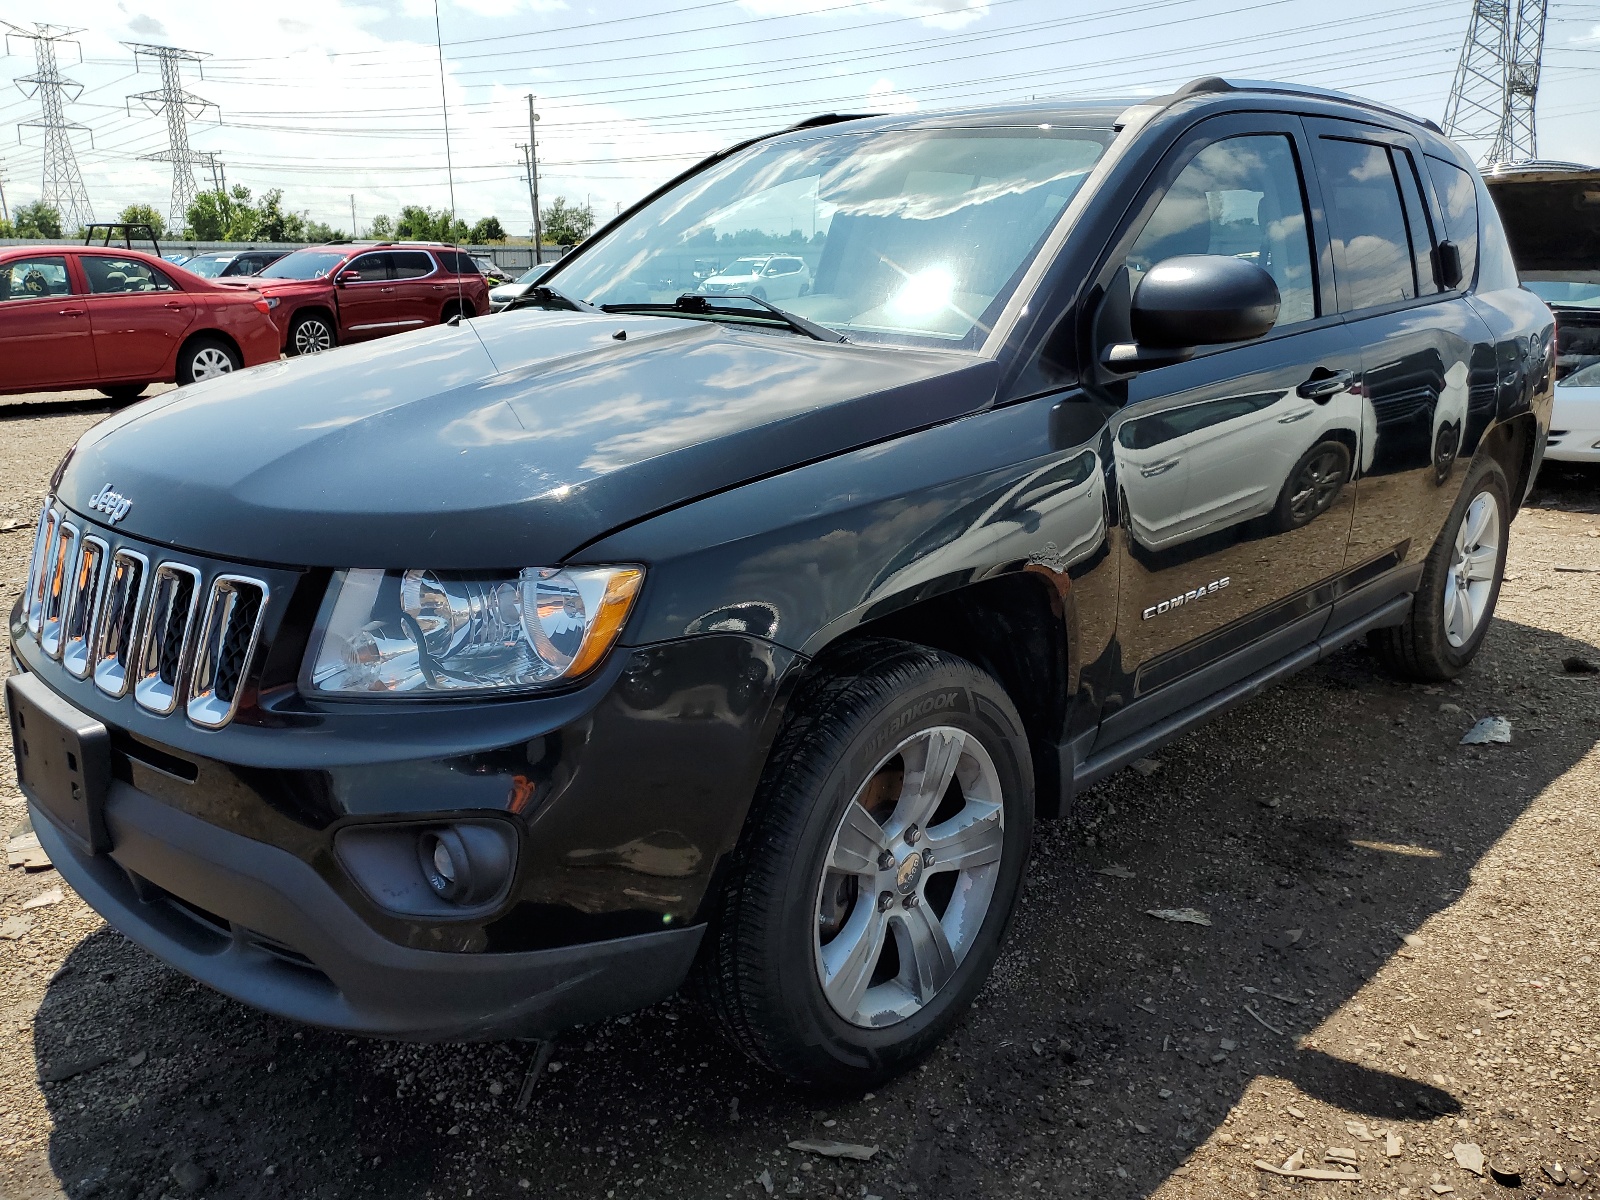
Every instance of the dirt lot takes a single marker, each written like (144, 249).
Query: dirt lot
(1402, 942)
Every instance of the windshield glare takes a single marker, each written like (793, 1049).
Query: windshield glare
(207, 268)
(915, 237)
(304, 264)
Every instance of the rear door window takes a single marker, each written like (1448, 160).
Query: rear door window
(1419, 222)
(1459, 200)
(108, 275)
(36, 278)
(1372, 256)
(410, 264)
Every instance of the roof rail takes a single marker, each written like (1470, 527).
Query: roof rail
(1215, 83)
(829, 119)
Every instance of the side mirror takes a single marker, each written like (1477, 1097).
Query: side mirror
(1447, 265)
(1194, 300)
(347, 276)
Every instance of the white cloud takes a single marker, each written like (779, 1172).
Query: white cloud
(882, 98)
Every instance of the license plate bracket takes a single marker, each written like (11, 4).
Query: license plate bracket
(63, 758)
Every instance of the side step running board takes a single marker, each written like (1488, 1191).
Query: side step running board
(1095, 768)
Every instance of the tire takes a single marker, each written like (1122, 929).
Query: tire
(854, 738)
(759, 293)
(123, 393)
(311, 333)
(464, 310)
(206, 358)
(1313, 485)
(1460, 584)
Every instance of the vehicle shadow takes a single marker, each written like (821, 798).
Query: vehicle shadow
(1315, 827)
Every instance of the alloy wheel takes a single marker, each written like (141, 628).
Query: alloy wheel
(1317, 484)
(209, 362)
(312, 336)
(909, 877)
(1470, 582)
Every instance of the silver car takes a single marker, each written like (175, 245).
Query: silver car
(505, 293)
(774, 277)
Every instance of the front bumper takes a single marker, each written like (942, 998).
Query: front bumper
(258, 924)
(624, 796)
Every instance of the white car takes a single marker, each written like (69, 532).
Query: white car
(1552, 218)
(1575, 422)
(774, 277)
(503, 294)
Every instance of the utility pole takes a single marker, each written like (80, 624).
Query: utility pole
(62, 187)
(354, 232)
(5, 213)
(1497, 80)
(181, 107)
(219, 173)
(533, 182)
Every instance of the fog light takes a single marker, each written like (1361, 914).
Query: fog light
(464, 864)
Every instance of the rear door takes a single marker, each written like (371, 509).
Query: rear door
(421, 289)
(138, 316)
(1230, 544)
(45, 339)
(1427, 359)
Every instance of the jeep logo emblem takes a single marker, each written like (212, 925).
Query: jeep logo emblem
(114, 504)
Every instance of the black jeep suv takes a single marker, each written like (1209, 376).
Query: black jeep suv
(504, 676)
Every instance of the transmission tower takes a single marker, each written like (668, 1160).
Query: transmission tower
(181, 107)
(1497, 80)
(62, 186)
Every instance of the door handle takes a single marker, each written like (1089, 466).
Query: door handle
(385, 289)
(70, 312)
(1293, 417)
(438, 287)
(173, 305)
(1325, 384)
(1160, 468)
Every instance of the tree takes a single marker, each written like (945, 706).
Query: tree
(144, 214)
(430, 225)
(382, 228)
(316, 231)
(275, 225)
(567, 224)
(37, 220)
(223, 216)
(488, 230)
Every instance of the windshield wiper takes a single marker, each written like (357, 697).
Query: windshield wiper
(693, 304)
(542, 295)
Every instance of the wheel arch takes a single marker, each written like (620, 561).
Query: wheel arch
(209, 333)
(1511, 443)
(1015, 628)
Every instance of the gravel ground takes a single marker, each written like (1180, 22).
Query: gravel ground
(1400, 957)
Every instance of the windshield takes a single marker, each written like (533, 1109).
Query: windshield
(208, 268)
(1579, 289)
(914, 237)
(305, 264)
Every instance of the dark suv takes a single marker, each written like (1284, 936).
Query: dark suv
(325, 295)
(501, 677)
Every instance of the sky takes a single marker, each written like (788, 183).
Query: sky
(334, 99)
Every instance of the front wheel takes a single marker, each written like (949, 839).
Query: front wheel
(206, 358)
(1460, 583)
(878, 871)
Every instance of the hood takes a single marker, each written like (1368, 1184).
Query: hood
(508, 441)
(285, 286)
(1551, 213)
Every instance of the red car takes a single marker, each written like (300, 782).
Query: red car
(354, 291)
(119, 320)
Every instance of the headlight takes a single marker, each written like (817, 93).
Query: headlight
(449, 632)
